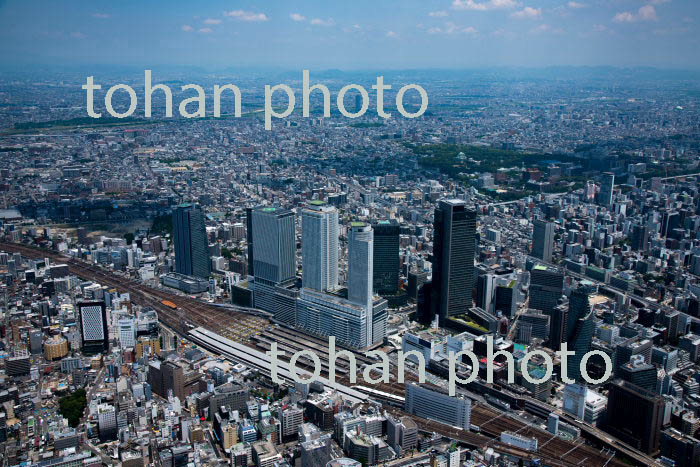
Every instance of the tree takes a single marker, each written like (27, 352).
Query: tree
(129, 237)
(72, 407)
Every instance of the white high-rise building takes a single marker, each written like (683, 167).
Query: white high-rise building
(360, 264)
(107, 421)
(319, 246)
(127, 332)
(575, 400)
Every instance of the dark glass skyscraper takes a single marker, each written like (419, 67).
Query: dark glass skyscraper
(635, 416)
(454, 246)
(93, 327)
(543, 240)
(386, 257)
(607, 184)
(272, 233)
(191, 245)
(546, 288)
(274, 236)
(579, 330)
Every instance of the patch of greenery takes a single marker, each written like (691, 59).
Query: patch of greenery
(162, 224)
(72, 407)
(453, 159)
(226, 253)
(366, 125)
(74, 121)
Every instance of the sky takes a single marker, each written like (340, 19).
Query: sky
(350, 34)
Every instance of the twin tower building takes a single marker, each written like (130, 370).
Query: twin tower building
(355, 316)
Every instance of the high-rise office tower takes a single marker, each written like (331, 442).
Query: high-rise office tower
(360, 264)
(546, 288)
(635, 416)
(93, 327)
(627, 350)
(173, 379)
(191, 245)
(454, 246)
(506, 296)
(605, 194)
(249, 240)
(639, 237)
(273, 253)
(640, 373)
(557, 326)
(579, 330)
(319, 246)
(543, 240)
(386, 257)
(274, 237)
(485, 285)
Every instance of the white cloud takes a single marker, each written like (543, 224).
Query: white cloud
(483, 5)
(206, 30)
(212, 21)
(243, 15)
(546, 28)
(187, 28)
(576, 5)
(451, 28)
(323, 22)
(624, 17)
(77, 35)
(101, 15)
(355, 28)
(297, 17)
(528, 13)
(391, 34)
(659, 2)
(438, 14)
(645, 13)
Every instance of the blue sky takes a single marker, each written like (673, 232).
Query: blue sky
(350, 34)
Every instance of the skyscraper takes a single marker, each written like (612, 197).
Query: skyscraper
(485, 284)
(360, 264)
(605, 195)
(358, 321)
(639, 237)
(319, 246)
(640, 373)
(546, 288)
(249, 240)
(454, 246)
(557, 326)
(274, 237)
(191, 245)
(93, 327)
(579, 330)
(386, 257)
(635, 416)
(273, 234)
(543, 240)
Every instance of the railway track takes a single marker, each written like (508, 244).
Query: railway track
(553, 450)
